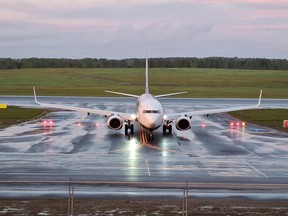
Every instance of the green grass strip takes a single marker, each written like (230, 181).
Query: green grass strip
(16, 115)
(272, 118)
(200, 83)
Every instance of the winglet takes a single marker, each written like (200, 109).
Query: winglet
(35, 98)
(260, 97)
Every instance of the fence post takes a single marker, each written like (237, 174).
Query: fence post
(185, 201)
(70, 199)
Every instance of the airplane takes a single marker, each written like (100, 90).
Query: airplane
(150, 113)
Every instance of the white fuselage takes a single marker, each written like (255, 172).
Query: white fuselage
(150, 112)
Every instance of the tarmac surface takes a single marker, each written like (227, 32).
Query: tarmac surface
(81, 147)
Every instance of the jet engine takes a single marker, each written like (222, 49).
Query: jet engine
(115, 122)
(183, 123)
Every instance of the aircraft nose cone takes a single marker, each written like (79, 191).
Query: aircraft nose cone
(154, 121)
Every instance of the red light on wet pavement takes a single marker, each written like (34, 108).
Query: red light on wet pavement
(48, 123)
(238, 124)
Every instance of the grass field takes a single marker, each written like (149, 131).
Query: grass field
(272, 118)
(16, 115)
(198, 82)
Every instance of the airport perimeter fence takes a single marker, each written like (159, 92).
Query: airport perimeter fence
(73, 199)
(60, 191)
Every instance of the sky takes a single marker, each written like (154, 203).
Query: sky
(117, 29)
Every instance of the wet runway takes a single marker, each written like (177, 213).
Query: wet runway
(84, 149)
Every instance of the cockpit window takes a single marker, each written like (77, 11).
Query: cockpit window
(151, 111)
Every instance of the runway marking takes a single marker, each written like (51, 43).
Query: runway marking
(255, 169)
(149, 173)
(264, 132)
(145, 142)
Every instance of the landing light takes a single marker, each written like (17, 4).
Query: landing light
(133, 116)
(165, 117)
(203, 125)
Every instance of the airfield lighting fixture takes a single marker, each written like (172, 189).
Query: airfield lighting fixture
(133, 117)
(238, 124)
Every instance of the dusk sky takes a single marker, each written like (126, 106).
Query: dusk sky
(131, 28)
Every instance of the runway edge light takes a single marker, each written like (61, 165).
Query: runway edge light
(3, 106)
(285, 123)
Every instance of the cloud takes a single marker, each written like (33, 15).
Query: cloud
(271, 27)
(113, 28)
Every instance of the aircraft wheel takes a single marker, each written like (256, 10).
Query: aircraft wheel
(164, 129)
(126, 129)
(131, 128)
(170, 129)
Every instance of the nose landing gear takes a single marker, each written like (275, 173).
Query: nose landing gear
(151, 136)
(128, 127)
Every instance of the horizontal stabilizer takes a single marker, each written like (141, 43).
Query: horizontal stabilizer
(170, 94)
(124, 94)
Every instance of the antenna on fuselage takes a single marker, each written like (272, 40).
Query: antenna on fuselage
(146, 73)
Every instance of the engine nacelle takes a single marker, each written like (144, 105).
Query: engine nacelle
(115, 122)
(183, 123)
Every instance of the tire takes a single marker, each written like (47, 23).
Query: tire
(164, 129)
(170, 129)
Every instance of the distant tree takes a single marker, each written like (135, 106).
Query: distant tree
(178, 62)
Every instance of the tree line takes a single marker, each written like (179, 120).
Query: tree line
(179, 62)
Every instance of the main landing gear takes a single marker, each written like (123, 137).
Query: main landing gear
(167, 128)
(128, 127)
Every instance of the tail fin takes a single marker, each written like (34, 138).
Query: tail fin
(147, 81)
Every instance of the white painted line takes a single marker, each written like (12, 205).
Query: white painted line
(256, 170)
(149, 173)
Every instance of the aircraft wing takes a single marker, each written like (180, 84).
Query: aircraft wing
(126, 116)
(173, 116)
